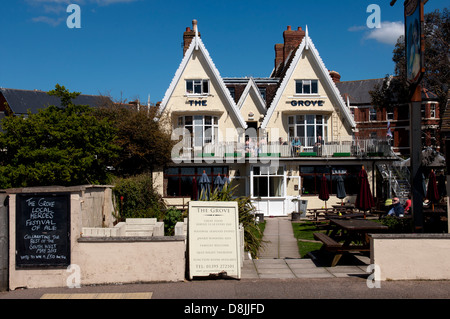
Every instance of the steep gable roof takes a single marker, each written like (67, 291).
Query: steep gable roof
(197, 44)
(252, 88)
(308, 45)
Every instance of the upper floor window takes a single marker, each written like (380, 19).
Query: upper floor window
(372, 114)
(433, 110)
(306, 86)
(263, 92)
(197, 87)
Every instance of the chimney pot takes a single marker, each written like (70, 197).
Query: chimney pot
(299, 28)
(194, 24)
(289, 28)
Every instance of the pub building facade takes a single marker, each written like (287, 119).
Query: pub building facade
(273, 138)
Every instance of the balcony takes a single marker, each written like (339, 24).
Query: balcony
(295, 148)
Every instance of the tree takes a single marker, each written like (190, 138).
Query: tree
(144, 144)
(64, 146)
(395, 90)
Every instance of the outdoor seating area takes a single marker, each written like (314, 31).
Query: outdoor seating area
(348, 235)
(293, 148)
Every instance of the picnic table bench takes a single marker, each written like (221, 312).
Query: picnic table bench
(348, 231)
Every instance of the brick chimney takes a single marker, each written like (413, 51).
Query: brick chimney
(335, 76)
(292, 39)
(188, 35)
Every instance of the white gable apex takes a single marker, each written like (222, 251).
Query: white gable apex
(252, 89)
(335, 96)
(197, 45)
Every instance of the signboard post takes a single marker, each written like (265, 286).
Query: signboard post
(42, 230)
(414, 72)
(213, 237)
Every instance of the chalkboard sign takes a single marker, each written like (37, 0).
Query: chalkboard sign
(43, 230)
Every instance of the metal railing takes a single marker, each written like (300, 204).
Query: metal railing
(292, 148)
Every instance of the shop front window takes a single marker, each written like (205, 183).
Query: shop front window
(311, 177)
(180, 180)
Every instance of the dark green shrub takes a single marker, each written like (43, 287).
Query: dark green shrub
(171, 217)
(135, 197)
(398, 225)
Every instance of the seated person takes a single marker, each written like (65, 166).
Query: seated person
(296, 145)
(408, 205)
(397, 209)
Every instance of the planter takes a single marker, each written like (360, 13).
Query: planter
(295, 216)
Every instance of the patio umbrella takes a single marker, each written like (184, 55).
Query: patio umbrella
(194, 189)
(218, 183)
(204, 186)
(226, 181)
(340, 190)
(323, 191)
(364, 199)
(432, 191)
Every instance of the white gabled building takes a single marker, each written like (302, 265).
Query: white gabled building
(274, 137)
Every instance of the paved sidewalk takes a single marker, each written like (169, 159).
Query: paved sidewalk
(280, 258)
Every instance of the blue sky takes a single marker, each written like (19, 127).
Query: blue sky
(129, 49)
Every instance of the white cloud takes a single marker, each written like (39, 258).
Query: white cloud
(388, 33)
(48, 20)
(53, 12)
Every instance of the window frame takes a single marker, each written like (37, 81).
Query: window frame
(306, 83)
(196, 84)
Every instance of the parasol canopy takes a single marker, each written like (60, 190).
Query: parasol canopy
(432, 191)
(340, 188)
(204, 186)
(364, 198)
(323, 191)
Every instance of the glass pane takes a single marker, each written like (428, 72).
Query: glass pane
(314, 86)
(205, 86)
(298, 87)
(186, 184)
(198, 87)
(291, 132)
(188, 120)
(306, 87)
(173, 186)
(260, 186)
(208, 120)
(310, 119)
(290, 120)
(180, 121)
(208, 134)
(187, 170)
(308, 186)
(319, 119)
(256, 170)
(171, 171)
(189, 86)
(276, 186)
(206, 169)
(306, 169)
(299, 119)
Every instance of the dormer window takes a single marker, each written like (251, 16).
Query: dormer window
(306, 87)
(200, 87)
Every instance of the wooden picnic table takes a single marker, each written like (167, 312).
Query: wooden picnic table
(346, 235)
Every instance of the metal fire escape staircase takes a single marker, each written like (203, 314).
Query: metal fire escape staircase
(397, 177)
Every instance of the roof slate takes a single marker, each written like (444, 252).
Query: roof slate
(20, 101)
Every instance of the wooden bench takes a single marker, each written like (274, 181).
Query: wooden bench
(331, 245)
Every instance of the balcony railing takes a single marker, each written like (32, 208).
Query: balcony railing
(293, 148)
